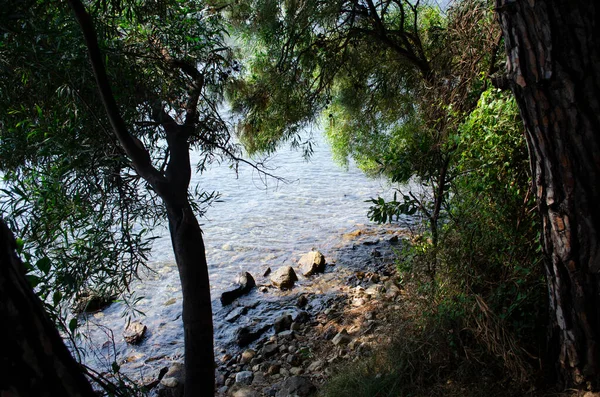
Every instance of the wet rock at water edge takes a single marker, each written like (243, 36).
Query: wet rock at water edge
(302, 301)
(283, 323)
(236, 313)
(244, 336)
(312, 263)
(245, 283)
(284, 277)
(296, 386)
(134, 332)
(171, 385)
(89, 302)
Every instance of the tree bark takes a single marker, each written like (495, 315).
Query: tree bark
(34, 360)
(188, 246)
(553, 50)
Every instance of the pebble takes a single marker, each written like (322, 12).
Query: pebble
(244, 377)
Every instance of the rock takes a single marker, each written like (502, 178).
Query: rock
(374, 290)
(393, 239)
(170, 302)
(295, 371)
(342, 338)
(171, 385)
(244, 335)
(371, 241)
(376, 254)
(293, 360)
(315, 366)
(284, 277)
(392, 291)
(247, 355)
(288, 335)
(267, 272)
(296, 386)
(263, 289)
(245, 392)
(283, 323)
(259, 379)
(245, 283)
(222, 389)
(295, 326)
(236, 313)
(134, 332)
(357, 302)
(244, 377)
(269, 349)
(312, 263)
(273, 369)
(302, 301)
(302, 318)
(89, 302)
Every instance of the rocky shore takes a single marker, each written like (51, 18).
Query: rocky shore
(324, 312)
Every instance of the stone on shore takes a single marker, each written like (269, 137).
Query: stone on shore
(283, 323)
(296, 386)
(245, 283)
(284, 277)
(171, 385)
(244, 377)
(312, 263)
(244, 335)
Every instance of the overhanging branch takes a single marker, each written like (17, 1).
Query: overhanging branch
(134, 148)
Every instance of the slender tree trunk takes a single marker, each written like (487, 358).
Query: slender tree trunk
(553, 50)
(34, 360)
(188, 246)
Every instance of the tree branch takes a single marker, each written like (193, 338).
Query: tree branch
(134, 148)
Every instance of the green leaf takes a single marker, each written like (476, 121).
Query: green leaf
(73, 324)
(20, 243)
(34, 281)
(44, 265)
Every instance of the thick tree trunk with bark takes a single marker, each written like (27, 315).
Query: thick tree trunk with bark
(553, 49)
(34, 360)
(188, 247)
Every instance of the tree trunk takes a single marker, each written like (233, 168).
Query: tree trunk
(34, 361)
(188, 246)
(553, 50)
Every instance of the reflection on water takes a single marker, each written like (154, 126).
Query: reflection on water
(253, 227)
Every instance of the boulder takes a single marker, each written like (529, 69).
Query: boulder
(171, 385)
(244, 335)
(296, 386)
(283, 323)
(284, 277)
(236, 313)
(245, 283)
(312, 263)
(134, 332)
(302, 318)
